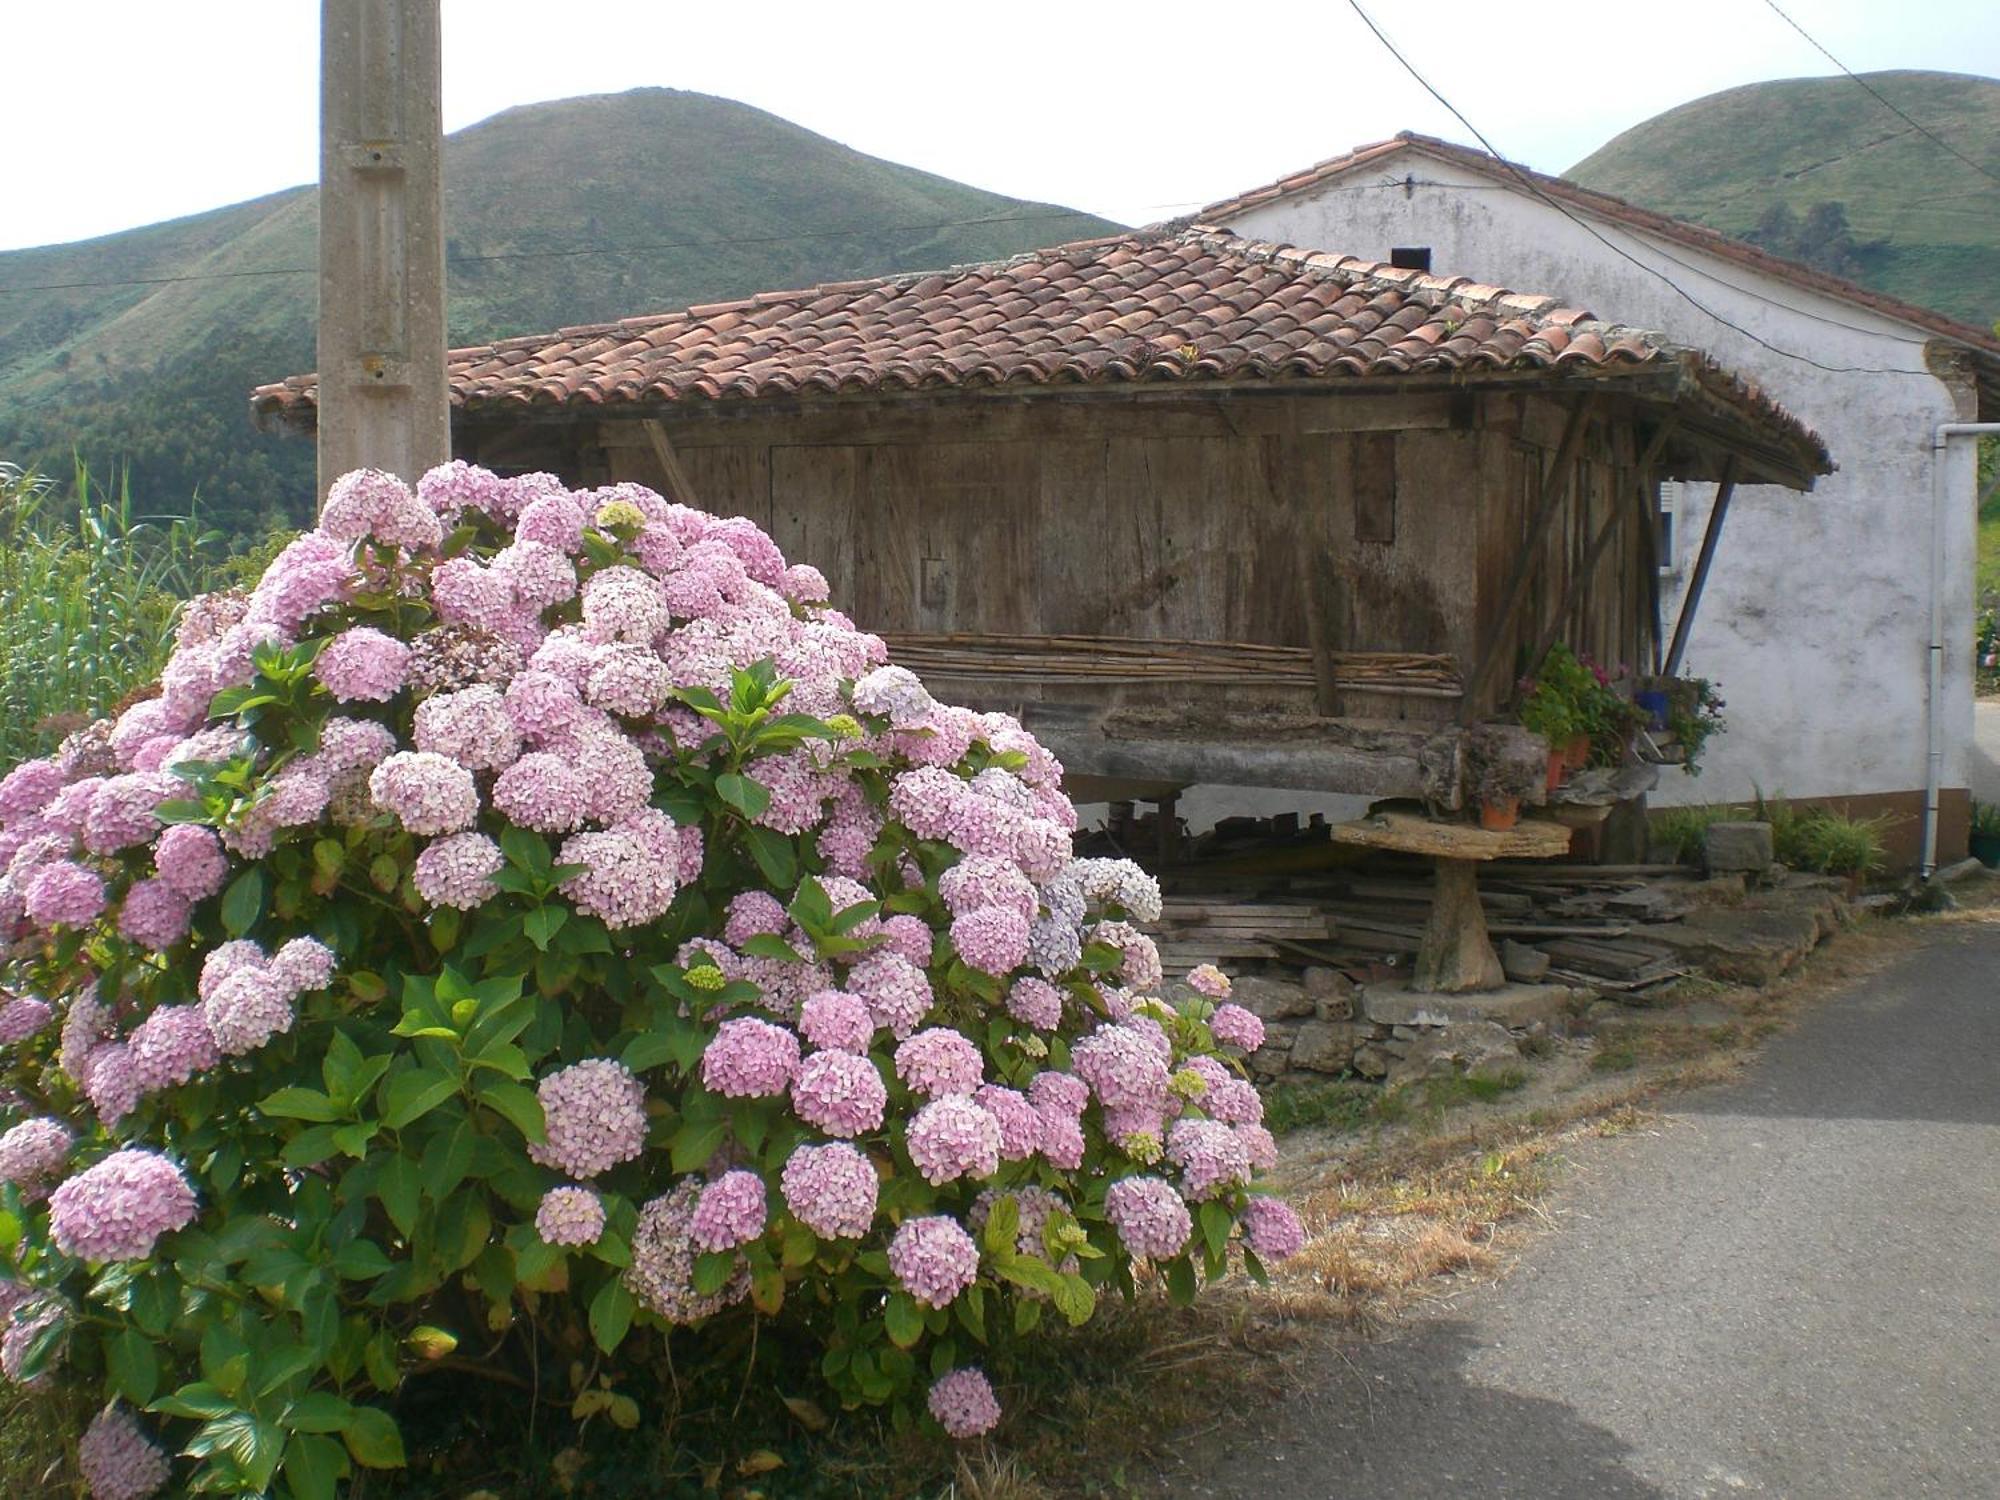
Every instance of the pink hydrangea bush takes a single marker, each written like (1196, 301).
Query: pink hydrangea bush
(535, 899)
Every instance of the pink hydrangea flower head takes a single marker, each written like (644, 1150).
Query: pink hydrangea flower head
(542, 704)
(629, 875)
(62, 894)
(362, 665)
(624, 604)
(1059, 1093)
(22, 1016)
(457, 871)
(367, 503)
(569, 1216)
(470, 726)
(1019, 1121)
(752, 913)
(979, 880)
(893, 693)
(111, 1082)
(119, 1208)
(1236, 1027)
(154, 915)
(118, 1461)
(594, 1113)
(303, 964)
(731, 1211)
(906, 936)
(831, 1189)
(312, 572)
(840, 1093)
(1122, 1066)
(427, 792)
(29, 788)
(542, 575)
(1139, 959)
(992, 939)
(1152, 1220)
(171, 1047)
(552, 521)
(896, 992)
(190, 861)
(246, 1008)
(1258, 1144)
(1210, 1155)
(122, 813)
(963, 1403)
(33, 1150)
(661, 1275)
(953, 1137)
(1234, 1101)
(1035, 1002)
(749, 1058)
(464, 593)
(542, 791)
(834, 1021)
(627, 679)
(1208, 980)
(805, 584)
(939, 1061)
(933, 1259)
(926, 801)
(1272, 1230)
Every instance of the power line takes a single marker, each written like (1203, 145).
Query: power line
(1879, 98)
(570, 252)
(1536, 188)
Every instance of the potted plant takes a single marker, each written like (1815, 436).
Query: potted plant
(1694, 715)
(1985, 841)
(1549, 708)
(1502, 767)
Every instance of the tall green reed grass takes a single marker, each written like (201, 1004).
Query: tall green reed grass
(89, 589)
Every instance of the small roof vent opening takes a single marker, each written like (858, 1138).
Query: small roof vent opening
(1411, 257)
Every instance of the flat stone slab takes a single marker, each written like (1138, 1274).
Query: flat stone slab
(1412, 833)
(1749, 947)
(1744, 846)
(1393, 1003)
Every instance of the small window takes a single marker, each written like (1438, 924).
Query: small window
(1670, 501)
(1411, 257)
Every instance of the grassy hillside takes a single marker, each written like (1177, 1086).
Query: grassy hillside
(729, 199)
(1922, 225)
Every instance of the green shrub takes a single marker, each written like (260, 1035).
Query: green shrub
(463, 1003)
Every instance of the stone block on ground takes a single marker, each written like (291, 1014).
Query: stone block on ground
(1275, 1056)
(1524, 965)
(1737, 847)
(1742, 945)
(1371, 1061)
(1271, 999)
(1476, 1049)
(1331, 992)
(1326, 1046)
(1393, 1003)
(1656, 901)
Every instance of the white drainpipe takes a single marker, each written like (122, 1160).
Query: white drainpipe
(1941, 438)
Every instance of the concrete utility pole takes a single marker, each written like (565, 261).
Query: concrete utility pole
(382, 394)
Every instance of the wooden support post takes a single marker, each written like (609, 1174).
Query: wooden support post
(1455, 953)
(1167, 843)
(1710, 537)
(1648, 500)
(1313, 592)
(670, 464)
(383, 400)
(1555, 487)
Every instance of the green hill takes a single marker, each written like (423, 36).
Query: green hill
(674, 198)
(1766, 161)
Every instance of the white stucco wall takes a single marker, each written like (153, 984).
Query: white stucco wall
(1816, 619)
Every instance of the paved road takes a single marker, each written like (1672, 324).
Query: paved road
(1791, 1289)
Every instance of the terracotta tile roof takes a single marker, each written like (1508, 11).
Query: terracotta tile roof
(1606, 206)
(1196, 306)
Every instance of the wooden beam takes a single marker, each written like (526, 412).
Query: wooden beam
(670, 463)
(1555, 487)
(1648, 499)
(1710, 537)
(1579, 584)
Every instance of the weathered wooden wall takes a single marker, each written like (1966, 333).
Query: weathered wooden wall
(1173, 519)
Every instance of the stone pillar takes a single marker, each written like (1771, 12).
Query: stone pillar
(382, 398)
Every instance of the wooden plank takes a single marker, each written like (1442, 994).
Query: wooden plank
(1710, 537)
(1556, 481)
(679, 486)
(1373, 456)
(1410, 833)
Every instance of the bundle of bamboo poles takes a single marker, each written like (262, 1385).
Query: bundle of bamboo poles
(1115, 659)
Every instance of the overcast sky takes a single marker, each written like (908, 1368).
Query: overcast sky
(125, 112)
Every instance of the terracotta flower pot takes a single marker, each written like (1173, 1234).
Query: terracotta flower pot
(1576, 752)
(1557, 769)
(1499, 814)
